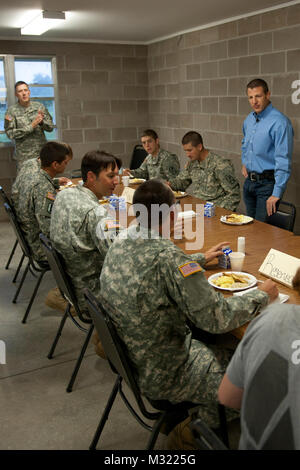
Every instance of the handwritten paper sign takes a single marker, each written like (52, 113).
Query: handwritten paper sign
(280, 267)
(128, 194)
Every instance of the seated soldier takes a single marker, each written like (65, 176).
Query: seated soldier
(35, 191)
(212, 176)
(28, 171)
(158, 290)
(159, 163)
(76, 219)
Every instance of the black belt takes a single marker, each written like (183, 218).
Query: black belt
(265, 175)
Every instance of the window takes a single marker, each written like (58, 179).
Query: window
(40, 74)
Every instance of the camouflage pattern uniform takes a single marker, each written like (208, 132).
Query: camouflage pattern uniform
(154, 304)
(74, 232)
(213, 180)
(28, 171)
(165, 165)
(17, 125)
(34, 209)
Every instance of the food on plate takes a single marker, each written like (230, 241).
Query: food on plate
(136, 180)
(178, 193)
(234, 218)
(231, 280)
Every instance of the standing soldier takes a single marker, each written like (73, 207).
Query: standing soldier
(25, 123)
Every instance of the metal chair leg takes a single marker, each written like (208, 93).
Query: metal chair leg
(33, 296)
(58, 334)
(155, 431)
(79, 360)
(223, 424)
(21, 283)
(105, 414)
(11, 255)
(18, 268)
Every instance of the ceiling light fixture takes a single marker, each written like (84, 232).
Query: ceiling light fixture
(44, 21)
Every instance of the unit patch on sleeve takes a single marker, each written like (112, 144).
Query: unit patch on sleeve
(187, 269)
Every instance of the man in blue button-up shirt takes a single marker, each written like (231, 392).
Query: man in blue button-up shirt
(267, 149)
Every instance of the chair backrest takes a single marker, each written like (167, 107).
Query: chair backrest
(18, 231)
(62, 279)
(284, 217)
(75, 173)
(113, 346)
(138, 156)
(205, 438)
(4, 196)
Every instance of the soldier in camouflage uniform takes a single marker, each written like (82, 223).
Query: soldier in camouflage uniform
(29, 171)
(159, 163)
(75, 230)
(38, 192)
(154, 293)
(212, 176)
(25, 123)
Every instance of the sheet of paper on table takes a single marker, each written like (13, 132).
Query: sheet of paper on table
(279, 300)
(185, 215)
(128, 194)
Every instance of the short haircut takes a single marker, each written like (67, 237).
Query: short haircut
(98, 160)
(192, 137)
(150, 133)
(258, 82)
(54, 152)
(20, 83)
(152, 192)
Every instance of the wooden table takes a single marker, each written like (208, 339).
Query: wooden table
(260, 238)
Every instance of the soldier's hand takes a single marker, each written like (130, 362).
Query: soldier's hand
(270, 288)
(126, 172)
(38, 119)
(63, 180)
(215, 251)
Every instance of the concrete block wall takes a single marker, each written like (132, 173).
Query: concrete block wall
(197, 81)
(102, 98)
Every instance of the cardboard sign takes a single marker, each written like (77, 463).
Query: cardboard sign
(280, 267)
(128, 194)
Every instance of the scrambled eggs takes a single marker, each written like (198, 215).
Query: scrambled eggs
(230, 280)
(234, 218)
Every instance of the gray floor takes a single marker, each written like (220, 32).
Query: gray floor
(36, 412)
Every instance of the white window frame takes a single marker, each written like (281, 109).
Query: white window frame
(10, 80)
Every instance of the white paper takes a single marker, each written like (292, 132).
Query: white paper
(186, 214)
(279, 300)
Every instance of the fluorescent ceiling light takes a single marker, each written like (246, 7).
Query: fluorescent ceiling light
(44, 21)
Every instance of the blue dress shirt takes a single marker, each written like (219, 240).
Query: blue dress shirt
(268, 145)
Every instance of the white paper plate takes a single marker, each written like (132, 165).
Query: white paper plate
(279, 300)
(246, 220)
(252, 281)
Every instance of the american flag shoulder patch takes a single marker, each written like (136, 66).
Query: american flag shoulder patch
(50, 196)
(187, 269)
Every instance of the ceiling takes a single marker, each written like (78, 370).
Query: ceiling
(127, 21)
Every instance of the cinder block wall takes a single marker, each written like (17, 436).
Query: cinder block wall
(197, 82)
(103, 98)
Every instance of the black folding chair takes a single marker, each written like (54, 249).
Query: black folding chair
(138, 156)
(66, 288)
(284, 217)
(168, 415)
(35, 268)
(6, 199)
(205, 438)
